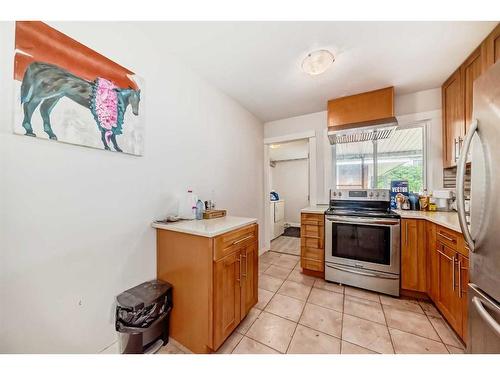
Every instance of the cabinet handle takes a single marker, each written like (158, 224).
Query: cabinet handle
(453, 266)
(455, 149)
(459, 278)
(242, 239)
(451, 239)
(246, 262)
(406, 233)
(239, 266)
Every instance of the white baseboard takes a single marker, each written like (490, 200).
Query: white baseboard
(296, 225)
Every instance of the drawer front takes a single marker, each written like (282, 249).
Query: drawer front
(316, 243)
(313, 219)
(312, 265)
(311, 231)
(230, 242)
(312, 253)
(447, 237)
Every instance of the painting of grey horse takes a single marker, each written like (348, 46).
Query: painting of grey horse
(44, 85)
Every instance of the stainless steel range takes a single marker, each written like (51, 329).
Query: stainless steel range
(362, 240)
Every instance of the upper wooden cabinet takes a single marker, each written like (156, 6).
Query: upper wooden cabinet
(361, 109)
(457, 95)
(453, 118)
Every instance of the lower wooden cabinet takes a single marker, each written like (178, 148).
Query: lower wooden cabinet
(413, 255)
(215, 283)
(312, 243)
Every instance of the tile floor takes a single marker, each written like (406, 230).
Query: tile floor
(302, 314)
(287, 245)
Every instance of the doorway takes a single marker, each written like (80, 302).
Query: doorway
(290, 186)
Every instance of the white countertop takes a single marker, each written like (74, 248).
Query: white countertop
(206, 227)
(316, 209)
(446, 219)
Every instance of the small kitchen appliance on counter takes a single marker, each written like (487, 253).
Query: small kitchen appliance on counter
(362, 240)
(443, 199)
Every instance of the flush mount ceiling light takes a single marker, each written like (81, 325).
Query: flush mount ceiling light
(275, 146)
(317, 62)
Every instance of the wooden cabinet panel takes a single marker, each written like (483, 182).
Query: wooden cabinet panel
(413, 255)
(470, 70)
(447, 299)
(312, 253)
(312, 265)
(227, 302)
(447, 237)
(491, 48)
(233, 241)
(312, 241)
(432, 260)
(361, 108)
(249, 277)
(312, 219)
(453, 118)
(463, 281)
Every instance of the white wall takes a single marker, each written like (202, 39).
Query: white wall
(290, 179)
(75, 222)
(427, 106)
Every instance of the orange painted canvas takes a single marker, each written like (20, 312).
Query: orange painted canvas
(67, 92)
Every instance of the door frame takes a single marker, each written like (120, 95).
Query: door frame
(311, 137)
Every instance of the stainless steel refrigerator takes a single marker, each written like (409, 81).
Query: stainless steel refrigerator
(483, 233)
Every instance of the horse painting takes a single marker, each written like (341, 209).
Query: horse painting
(45, 84)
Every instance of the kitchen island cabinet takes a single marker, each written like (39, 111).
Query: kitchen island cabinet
(213, 267)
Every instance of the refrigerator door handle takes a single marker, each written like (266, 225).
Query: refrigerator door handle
(478, 304)
(460, 185)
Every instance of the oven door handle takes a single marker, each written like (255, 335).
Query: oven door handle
(364, 273)
(357, 220)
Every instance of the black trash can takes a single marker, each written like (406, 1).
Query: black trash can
(142, 317)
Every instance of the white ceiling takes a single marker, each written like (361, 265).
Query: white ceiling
(258, 63)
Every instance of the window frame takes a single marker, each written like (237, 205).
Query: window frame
(424, 124)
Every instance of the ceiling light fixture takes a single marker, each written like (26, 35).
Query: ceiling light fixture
(317, 62)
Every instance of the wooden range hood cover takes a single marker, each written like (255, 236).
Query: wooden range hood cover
(360, 110)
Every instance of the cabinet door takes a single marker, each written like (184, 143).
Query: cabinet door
(432, 260)
(470, 70)
(453, 118)
(413, 255)
(491, 48)
(249, 277)
(447, 296)
(227, 296)
(463, 281)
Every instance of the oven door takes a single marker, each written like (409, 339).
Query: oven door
(363, 242)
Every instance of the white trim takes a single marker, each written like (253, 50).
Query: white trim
(313, 191)
(267, 203)
(290, 137)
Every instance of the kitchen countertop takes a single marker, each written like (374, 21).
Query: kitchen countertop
(206, 227)
(446, 219)
(316, 209)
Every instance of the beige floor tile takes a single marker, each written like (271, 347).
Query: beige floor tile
(286, 245)
(409, 321)
(348, 348)
(245, 325)
(230, 343)
(363, 308)
(332, 287)
(269, 283)
(264, 297)
(285, 263)
(249, 346)
(278, 272)
(273, 331)
(269, 256)
(308, 341)
(322, 319)
(445, 332)
(429, 309)
(454, 350)
(286, 307)
(295, 290)
(407, 343)
(361, 293)
(170, 348)
(299, 277)
(325, 298)
(263, 266)
(401, 303)
(367, 334)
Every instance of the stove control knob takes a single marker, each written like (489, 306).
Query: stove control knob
(371, 194)
(340, 193)
(334, 193)
(377, 194)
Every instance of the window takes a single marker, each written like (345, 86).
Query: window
(374, 164)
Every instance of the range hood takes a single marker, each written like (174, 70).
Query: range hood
(362, 117)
